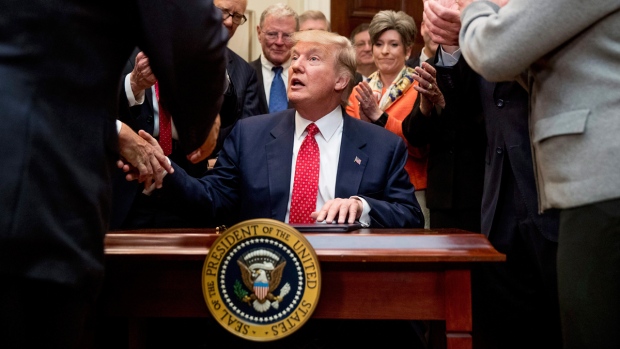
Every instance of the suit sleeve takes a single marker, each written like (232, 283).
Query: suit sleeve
(501, 45)
(397, 206)
(252, 105)
(188, 58)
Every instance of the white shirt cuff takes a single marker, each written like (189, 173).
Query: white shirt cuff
(364, 218)
(133, 100)
(446, 59)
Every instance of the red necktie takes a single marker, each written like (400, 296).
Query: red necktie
(165, 126)
(306, 182)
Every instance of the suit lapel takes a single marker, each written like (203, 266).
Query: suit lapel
(279, 158)
(230, 67)
(353, 159)
(259, 75)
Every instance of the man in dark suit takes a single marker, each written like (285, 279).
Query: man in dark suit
(253, 175)
(60, 66)
(132, 209)
(242, 75)
(457, 142)
(362, 175)
(277, 24)
(520, 295)
(140, 110)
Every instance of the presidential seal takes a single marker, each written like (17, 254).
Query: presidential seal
(261, 280)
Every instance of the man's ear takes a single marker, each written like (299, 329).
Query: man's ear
(341, 82)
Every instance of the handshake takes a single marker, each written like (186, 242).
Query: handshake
(142, 158)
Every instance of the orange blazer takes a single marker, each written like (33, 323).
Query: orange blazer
(417, 161)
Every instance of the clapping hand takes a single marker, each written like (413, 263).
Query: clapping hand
(142, 76)
(428, 89)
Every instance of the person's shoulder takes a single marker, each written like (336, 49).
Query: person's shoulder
(256, 63)
(266, 120)
(240, 65)
(234, 56)
(370, 131)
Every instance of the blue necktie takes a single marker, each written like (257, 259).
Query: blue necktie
(277, 94)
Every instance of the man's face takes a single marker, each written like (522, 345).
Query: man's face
(313, 76)
(311, 24)
(275, 38)
(363, 48)
(231, 6)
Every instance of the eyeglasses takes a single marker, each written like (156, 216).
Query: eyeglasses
(273, 36)
(237, 18)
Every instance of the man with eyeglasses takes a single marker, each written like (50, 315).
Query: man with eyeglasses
(140, 109)
(242, 75)
(363, 52)
(277, 24)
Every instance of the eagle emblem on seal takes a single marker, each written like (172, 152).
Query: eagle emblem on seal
(261, 273)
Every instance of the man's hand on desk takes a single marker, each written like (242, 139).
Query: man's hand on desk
(339, 210)
(142, 159)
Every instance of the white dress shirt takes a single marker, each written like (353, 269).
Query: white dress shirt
(328, 139)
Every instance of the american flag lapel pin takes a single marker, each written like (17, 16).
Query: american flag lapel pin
(358, 160)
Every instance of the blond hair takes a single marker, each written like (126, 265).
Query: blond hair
(343, 52)
(279, 10)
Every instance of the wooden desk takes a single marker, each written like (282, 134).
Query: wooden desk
(395, 274)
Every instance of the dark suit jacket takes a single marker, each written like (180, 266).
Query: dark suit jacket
(505, 109)
(60, 66)
(143, 213)
(259, 74)
(248, 89)
(457, 145)
(141, 117)
(252, 176)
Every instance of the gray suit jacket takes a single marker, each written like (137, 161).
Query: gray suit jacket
(572, 55)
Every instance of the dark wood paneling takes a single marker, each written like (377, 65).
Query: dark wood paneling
(347, 14)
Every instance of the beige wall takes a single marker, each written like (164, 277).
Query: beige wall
(245, 42)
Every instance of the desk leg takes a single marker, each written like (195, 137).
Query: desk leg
(458, 309)
(136, 333)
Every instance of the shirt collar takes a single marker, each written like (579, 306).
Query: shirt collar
(327, 125)
(267, 64)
